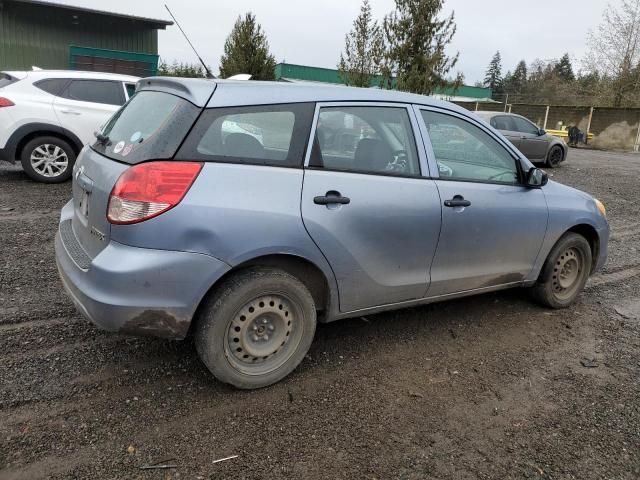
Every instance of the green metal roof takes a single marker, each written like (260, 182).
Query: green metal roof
(161, 24)
(289, 71)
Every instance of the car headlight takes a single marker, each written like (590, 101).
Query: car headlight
(600, 207)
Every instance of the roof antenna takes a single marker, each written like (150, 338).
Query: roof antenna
(209, 74)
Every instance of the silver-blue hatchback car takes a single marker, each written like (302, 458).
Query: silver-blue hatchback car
(245, 211)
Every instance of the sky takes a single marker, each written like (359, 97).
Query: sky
(312, 32)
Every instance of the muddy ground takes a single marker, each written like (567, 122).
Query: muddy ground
(485, 387)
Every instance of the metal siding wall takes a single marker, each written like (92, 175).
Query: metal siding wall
(41, 36)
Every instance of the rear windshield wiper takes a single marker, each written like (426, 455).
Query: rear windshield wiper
(103, 139)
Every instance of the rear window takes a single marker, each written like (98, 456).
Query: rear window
(6, 79)
(273, 135)
(150, 126)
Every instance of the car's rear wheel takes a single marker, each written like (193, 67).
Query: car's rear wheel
(256, 328)
(48, 159)
(565, 272)
(555, 156)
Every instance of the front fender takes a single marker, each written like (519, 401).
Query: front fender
(570, 208)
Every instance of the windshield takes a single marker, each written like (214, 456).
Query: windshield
(150, 126)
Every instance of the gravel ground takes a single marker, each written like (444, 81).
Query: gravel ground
(485, 387)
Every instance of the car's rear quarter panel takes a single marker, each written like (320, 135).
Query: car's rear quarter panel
(234, 213)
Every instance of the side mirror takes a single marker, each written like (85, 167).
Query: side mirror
(536, 178)
(541, 132)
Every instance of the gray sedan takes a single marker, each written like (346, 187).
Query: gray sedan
(536, 144)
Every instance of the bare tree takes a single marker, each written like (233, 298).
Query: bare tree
(363, 50)
(614, 51)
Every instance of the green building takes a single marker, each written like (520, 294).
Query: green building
(287, 72)
(53, 36)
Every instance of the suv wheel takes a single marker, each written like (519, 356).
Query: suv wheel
(48, 159)
(565, 272)
(256, 328)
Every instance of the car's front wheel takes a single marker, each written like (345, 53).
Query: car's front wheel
(256, 328)
(48, 159)
(565, 272)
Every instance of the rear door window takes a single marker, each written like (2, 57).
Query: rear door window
(150, 126)
(503, 122)
(95, 91)
(264, 135)
(367, 139)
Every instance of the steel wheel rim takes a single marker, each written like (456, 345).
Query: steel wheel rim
(567, 273)
(556, 156)
(264, 334)
(49, 160)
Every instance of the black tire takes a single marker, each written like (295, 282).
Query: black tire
(36, 148)
(555, 156)
(557, 287)
(230, 336)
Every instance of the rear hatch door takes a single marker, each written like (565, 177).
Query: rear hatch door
(151, 126)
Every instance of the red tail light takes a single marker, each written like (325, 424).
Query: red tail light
(5, 102)
(145, 191)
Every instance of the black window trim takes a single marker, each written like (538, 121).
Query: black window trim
(510, 149)
(413, 122)
(188, 140)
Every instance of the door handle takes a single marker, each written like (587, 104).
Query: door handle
(457, 201)
(71, 112)
(332, 197)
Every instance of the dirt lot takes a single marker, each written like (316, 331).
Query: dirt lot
(486, 387)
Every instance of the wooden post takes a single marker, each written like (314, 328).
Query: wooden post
(476, 106)
(586, 135)
(510, 105)
(506, 100)
(546, 117)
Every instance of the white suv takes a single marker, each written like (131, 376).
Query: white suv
(46, 117)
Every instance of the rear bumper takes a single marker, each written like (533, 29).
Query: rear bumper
(139, 291)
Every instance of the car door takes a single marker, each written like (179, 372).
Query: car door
(85, 105)
(492, 225)
(532, 144)
(367, 205)
(507, 127)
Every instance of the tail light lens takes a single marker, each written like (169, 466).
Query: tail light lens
(5, 102)
(147, 190)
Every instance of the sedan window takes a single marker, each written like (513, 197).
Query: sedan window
(525, 126)
(365, 140)
(503, 122)
(466, 152)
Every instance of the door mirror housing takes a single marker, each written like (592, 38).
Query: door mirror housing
(536, 178)
(541, 132)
